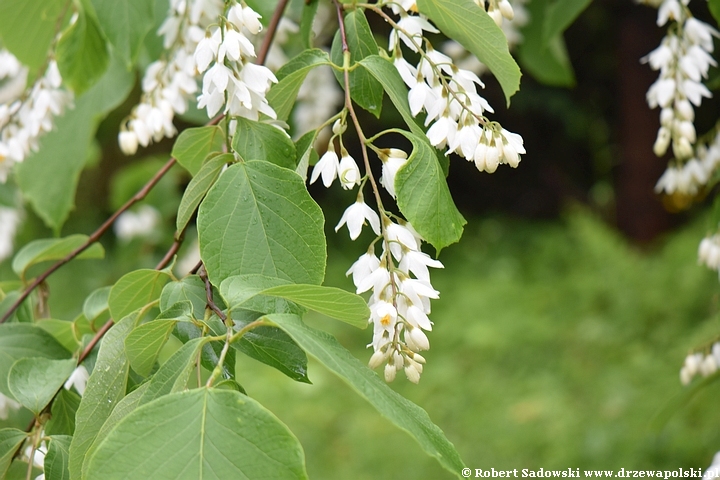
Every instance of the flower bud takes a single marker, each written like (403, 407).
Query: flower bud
(412, 373)
(128, 142)
(506, 9)
(390, 372)
(662, 141)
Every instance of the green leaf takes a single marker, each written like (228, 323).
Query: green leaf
(96, 303)
(364, 88)
(467, 23)
(193, 145)
(10, 440)
(125, 23)
(44, 250)
(34, 381)
(81, 53)
(181, 312)
(61, 330)
(714, 6)
(305, 152)
(546, 60)
(259, 218)
(29, 19)
(105, 387)
(271, 346)
(261, 141)
(199, 186)
(213, 433)
(126, 405)
(559, 15)
(49, 177)
(174, 374)
(424, 198)
(63, 413)
(306, 23)
(290, 77)
(330, 301)
(238, 289)
(134, 290)
(190, 288)
(22, 340)
(143, 344)
(399, 410)
(384, 71)
(57, 458)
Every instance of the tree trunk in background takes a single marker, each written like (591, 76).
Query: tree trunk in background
(640, 213)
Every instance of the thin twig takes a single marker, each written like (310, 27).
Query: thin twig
(272, 28)
(209, 295)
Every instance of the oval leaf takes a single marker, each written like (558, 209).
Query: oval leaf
(53, 249)
(424, 198)
(210, 433)
(143, 344)
(259, 218)
(330, 301)
(466, 22)
(193, 145)
(22, 340)
(135, 290)
(34, 381)
(261, 141)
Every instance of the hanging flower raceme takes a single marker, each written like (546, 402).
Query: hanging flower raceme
(448, 95)
(683, 60)
(690, 176)
(27, 113)
(700, 363)
(170, 82)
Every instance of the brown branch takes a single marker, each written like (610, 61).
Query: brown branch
(94, 237)
(272, 28)
(209, 296)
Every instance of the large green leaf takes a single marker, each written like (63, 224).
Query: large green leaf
(35, 20)
(290, 77)
(466, 22)
(259, 218)
(424, 198)
(48, 178)
(330, 301)
(239, 289)
(261, 141)
(57, 458)
(43, 250)
(193, 145)
(10, 440)
(399, 410)
(125, 23)
(61, 330)
(22, 340)
(63, 412)
(34, 381)
(134, 290)
(199, 186)
(81, 53)
(208, 433)
(105, 387)
(364, 88)
(143, 344)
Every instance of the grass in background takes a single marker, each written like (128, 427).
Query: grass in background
(555, 346)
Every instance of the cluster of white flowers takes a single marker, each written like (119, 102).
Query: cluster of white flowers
(233, 80)
(690, 176)
(709, 252)
(700, 364)
(449, 97)
(399, 279)
(683, 59)
(169, 82)
(26, 114)
(132, 224)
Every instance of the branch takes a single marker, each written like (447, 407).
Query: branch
(272, 28)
